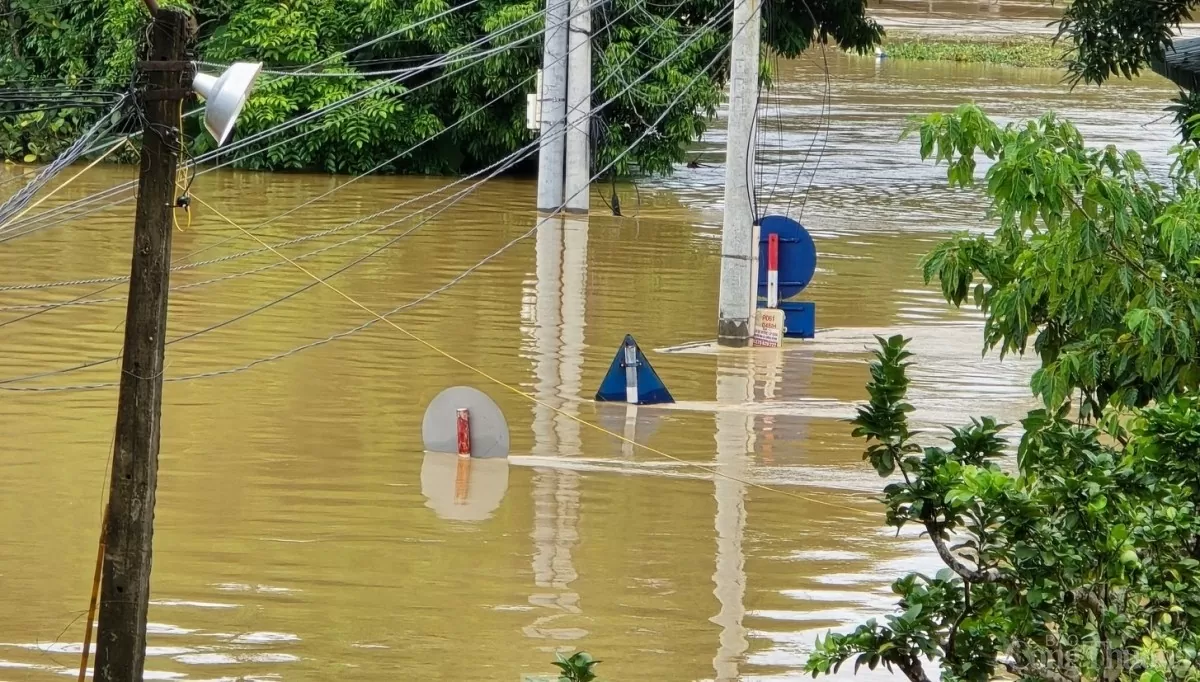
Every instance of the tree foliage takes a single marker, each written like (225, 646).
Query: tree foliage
(1120, 37)
(94, 43)
(1080, 559)
(1094, 260)
(1081, 565)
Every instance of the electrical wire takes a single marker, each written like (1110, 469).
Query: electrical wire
(827, 119)
(325, 60)
(776, 100)
(716, 473)
(120, 143)
(824, 121)
(120, 279)
(513, 388)
(449, 59)
(116, 280)
(326, 74)
(444, 130)
(4, 384)
(392, 34)
(501, 166)
(15, 205)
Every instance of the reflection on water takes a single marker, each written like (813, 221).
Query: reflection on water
(303, 534)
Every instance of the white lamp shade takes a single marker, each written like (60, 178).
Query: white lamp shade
(224, 96)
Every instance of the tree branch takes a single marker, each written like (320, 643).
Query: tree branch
(1037, 670)
(1090, 601)
(950, 637)
(911, 667)
(967, 573)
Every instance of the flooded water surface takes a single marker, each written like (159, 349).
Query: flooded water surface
(303, 534)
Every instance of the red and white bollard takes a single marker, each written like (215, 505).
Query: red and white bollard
(464, 432)
(772, 271)
(462, 474)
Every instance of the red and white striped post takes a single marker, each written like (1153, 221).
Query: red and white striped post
(464, 432)
(462, 473)
(772, 271)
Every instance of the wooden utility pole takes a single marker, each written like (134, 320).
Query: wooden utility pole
(125, 590)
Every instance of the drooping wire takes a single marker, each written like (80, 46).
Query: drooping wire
(827, 120)
(310, 201)
(16, 204)
(324, 60)
(823, 121)
(774, 97)
(527, 150)
(377, 317)
(448, 60)
(117, 280)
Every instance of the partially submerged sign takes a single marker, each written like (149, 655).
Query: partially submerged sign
(488, 431)
(768, 328)
(787, 263)
(631, 379)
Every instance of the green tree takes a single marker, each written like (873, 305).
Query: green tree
(94, 43)
(1079, 561)
(1120, 37)
(1094, 260)
(1081, 565)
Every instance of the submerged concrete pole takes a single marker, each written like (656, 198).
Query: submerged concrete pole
(552, 146)
(734, 326)
(579, 109)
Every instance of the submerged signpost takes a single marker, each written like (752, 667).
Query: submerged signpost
(631, 379)
(787, 263)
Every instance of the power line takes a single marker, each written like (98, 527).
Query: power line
(17, 203)
(448, 60)
(528, 149)
(825, 120)
(116, 280)
(122, 278)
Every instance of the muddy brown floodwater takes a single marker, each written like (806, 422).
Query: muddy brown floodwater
(301, 532)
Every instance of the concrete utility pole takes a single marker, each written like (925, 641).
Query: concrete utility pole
(552, 146)
(125, 590)
(579, 109)
(738, 279)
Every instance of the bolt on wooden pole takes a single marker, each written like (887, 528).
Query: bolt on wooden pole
(125, 589)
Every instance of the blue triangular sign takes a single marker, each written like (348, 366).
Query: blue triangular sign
(647, 388)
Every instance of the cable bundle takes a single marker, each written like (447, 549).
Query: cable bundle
(17, 203)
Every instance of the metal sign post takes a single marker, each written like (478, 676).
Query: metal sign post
(789, 261)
